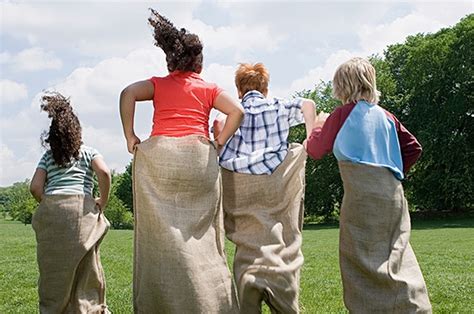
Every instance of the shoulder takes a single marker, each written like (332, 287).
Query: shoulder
(343, 111)
(47, 156)
(89, 152)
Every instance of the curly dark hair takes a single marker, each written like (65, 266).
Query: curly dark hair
(183, 50)
(64, 136)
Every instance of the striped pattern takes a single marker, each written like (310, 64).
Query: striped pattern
(261, 143)
(76, 178)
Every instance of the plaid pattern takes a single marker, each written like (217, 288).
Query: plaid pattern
(261, 143)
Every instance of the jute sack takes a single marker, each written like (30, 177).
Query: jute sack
(69, 230)
(380, 273)
(263, 217)
(179, 260)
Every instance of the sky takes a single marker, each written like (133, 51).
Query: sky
(90, 50)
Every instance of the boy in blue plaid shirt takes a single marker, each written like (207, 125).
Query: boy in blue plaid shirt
(263, 189)
(261, 143)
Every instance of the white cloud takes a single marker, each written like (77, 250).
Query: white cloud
(32, 59)
(425, 18)
(12, 92)
(240, 38)
(14, 169)
(315, 75)
(375, 39)
(223, 75)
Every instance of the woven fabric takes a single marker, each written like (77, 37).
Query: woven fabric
(263, 217)
(69, 230)
(179, 260)
(380, 273)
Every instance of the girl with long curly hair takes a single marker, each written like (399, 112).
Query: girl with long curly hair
(69, 223)
(179, 260)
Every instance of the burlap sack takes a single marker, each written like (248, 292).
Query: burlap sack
(380, 273)
(179, 261)
(69, 229)
(263, 217)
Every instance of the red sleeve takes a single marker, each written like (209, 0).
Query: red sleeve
(409, 145)
(322, 139)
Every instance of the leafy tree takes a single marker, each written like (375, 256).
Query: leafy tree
(20, 204)
(124, 187)
(433, 97)
(323, 192)
(118, 214)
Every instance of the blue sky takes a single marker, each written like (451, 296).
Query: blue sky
(91, 50)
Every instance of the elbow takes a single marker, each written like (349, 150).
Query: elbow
(239, 113)
(36, 190)
(105, 174)
(308, 104)
(127, 92)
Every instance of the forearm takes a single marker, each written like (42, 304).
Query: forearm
(309, 114)
(127, 112)
(37, 194)
(104, 179)
(231, 125)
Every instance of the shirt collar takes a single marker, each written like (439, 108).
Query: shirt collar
(252, 94)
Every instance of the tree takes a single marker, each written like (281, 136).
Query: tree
(19, 204)
(433, 97)
(323, 191)
(124, 187)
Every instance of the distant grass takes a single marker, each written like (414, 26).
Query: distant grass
(444, 249)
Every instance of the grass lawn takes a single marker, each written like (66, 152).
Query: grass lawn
(444, 249)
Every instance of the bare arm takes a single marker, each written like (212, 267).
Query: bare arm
(103, 178)
(37, 184)
(235, 115)
(218, 125)
(139, 91)
(309, 114)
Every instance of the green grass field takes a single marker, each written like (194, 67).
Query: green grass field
(444, 248)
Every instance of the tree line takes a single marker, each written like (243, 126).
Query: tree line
(427, 82)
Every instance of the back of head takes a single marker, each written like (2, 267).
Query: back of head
(355, 80)
(251, 77)
(64, 135)
(183, 50)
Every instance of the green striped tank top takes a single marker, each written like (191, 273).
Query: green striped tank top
(75, 178)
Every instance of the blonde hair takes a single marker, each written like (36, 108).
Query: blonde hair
(252, 77)
(354, 80)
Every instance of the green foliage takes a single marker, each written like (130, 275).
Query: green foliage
(118, 214)
(323, 192)
(433, 97)
(117, 211)
(123, 187)
(17, 202)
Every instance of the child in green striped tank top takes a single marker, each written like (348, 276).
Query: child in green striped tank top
(69, 223)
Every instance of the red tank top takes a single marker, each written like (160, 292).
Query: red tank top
(182, 102)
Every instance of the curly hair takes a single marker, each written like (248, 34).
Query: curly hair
(183, 50)
(252, 77)
(64, 137)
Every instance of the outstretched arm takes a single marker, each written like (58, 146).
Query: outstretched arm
(235, 115)
(308, 108)
(139, 91)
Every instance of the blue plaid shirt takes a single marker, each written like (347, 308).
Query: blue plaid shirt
(261, 143)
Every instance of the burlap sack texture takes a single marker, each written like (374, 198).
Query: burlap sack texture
(263, 217)
(179, 260)
(69, 230)
(380, 273)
